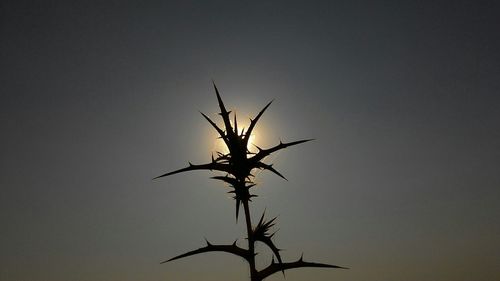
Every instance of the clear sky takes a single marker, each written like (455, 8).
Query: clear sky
(98, 97)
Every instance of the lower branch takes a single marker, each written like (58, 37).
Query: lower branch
(276, 267)
(233, 249)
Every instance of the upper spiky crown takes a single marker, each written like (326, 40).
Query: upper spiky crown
(238, 163)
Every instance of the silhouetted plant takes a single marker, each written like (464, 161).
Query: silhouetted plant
(238, 165)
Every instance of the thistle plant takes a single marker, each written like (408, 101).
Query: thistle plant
(238, 165)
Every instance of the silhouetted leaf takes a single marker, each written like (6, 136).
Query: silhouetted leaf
(210, 166)
(233, 249)
(266, 152)
(261, 233)
(275, 267)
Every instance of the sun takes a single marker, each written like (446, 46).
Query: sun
(220, 146)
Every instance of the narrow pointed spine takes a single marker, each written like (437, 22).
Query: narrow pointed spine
(219, 130)
(223, 112)
(253, 122)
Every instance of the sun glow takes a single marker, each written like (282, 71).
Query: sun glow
(220, 146)
(251, 141)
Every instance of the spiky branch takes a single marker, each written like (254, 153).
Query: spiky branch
(277, 267)
(238, 165)
(232, 249)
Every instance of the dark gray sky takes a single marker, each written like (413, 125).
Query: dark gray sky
(97, 98)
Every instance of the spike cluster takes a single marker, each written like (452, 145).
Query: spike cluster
(238, 165)
(262, 233)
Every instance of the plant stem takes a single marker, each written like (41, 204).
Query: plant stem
(251, 242)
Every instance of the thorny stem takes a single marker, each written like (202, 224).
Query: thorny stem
(251, 242)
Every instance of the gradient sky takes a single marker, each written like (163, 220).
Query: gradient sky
(97, 98)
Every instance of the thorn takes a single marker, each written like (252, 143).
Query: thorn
(237, 208)
(235, 124)
(208, 243)
(260, 149)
